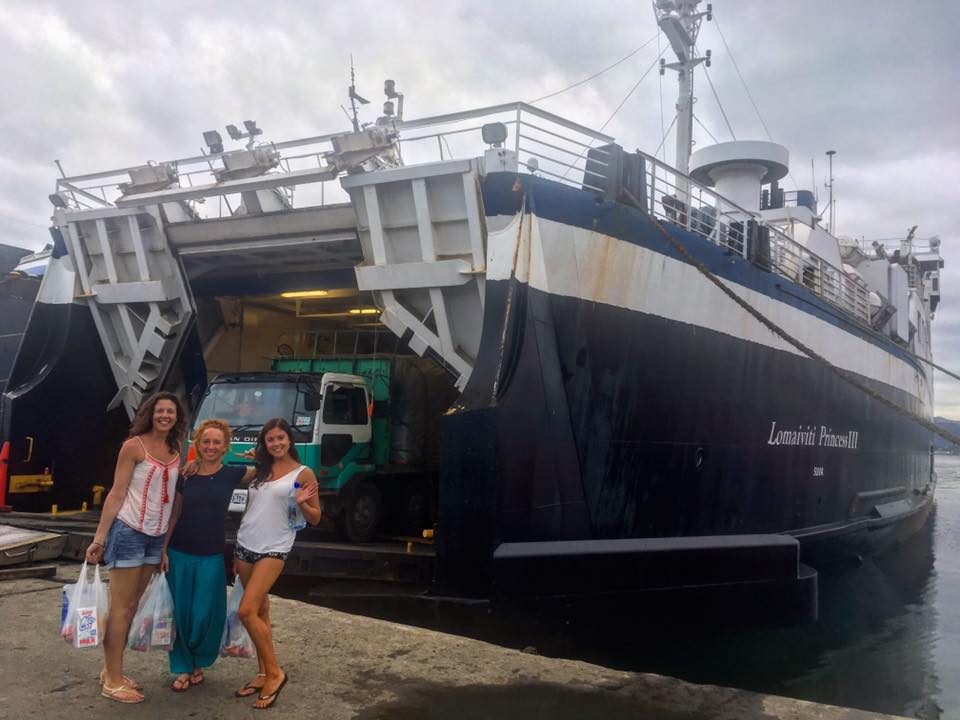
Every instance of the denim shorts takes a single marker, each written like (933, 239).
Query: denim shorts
(128, 548)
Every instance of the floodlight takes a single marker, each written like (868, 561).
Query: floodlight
(494, 133)
(252, 129)
(214, 141)
(234, 133)
(57, 200)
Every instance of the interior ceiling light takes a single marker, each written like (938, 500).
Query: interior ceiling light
(364, 311)
(305, 294)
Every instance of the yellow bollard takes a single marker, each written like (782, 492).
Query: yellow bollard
(98, 491)
(53, 509)
(83, 507)
(409, 548)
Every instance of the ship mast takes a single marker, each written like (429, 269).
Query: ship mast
(680, 22)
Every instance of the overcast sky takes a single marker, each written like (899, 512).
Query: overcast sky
(106, 84)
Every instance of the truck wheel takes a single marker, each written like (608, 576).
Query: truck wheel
(363, 512)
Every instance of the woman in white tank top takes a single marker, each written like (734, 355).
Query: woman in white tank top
(263, 541)
(132, 525)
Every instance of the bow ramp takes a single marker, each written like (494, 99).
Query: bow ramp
(414, 236)
(423, 238)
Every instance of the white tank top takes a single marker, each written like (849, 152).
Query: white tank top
(264, 528)
(149, 500)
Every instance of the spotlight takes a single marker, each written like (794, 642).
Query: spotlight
(214, 141)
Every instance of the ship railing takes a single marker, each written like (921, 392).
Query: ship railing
(844, 290)
(545, 144)
(681, 201)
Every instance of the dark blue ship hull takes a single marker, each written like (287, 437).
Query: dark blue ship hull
(585, 422)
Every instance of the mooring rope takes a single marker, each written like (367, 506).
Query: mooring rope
(783, 334)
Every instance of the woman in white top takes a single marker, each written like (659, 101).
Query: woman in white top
(263, 541)
(132, 526)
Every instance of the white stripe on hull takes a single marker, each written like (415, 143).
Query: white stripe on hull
(598, 268)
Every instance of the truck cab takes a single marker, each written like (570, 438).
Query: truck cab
(342, 432)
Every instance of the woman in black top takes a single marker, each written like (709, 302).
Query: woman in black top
(193, 554)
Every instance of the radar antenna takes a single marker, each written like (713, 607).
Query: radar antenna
(355, 98)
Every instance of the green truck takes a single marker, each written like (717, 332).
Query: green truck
(367, 426)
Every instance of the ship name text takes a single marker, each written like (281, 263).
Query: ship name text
(814, 436)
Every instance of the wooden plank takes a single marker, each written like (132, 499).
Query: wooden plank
(29, 571)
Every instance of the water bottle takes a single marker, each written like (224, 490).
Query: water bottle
(295, 518)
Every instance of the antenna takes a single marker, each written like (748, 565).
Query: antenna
(680, 22)
(829, 184)
(354, 97)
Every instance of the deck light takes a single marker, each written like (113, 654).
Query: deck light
(305, 294)
(494, 133)
(364, 311)
(214, 141)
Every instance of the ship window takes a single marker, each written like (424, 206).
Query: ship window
(344, 405)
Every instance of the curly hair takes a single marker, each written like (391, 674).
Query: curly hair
(220, 425)
(143, 420)
(262, 457)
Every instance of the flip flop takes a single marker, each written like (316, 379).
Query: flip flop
(196, 677)
(113, 693)
(272, 697)
(184, 683)
(254, 689)
(128, 681)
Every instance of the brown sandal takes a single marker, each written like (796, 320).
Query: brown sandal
(128, 681)
(270, 699)
(181, 683)
(115, 693)
(250, 689)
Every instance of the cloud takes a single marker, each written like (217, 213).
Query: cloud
(112, 84)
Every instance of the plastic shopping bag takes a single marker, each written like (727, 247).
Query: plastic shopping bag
(154, 627)
(83, 615)
(236, 640)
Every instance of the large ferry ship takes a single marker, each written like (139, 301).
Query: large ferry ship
(669, 376)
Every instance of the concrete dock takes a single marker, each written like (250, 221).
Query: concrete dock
(346, 666)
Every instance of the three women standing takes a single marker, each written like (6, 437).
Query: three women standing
(133, 522)
(149, 518)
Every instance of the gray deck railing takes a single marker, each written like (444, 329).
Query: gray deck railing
(545, 144)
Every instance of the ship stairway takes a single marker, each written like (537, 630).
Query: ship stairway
(423, 238)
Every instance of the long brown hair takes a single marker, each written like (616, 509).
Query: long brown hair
(262, 457)
(143, 420)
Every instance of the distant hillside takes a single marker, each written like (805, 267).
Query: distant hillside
(952, 426)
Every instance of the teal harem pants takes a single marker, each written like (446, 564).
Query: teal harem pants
(198, 584)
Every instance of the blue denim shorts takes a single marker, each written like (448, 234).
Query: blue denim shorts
(127, 548)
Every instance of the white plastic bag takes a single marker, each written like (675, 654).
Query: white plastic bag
(154, 627)
(83, 616)
(236, 640)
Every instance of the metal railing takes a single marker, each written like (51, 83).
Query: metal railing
(683, 202)
(546, 145)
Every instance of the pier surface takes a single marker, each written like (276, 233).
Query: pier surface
(348, 666)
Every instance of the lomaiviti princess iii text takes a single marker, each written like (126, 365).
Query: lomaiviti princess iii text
(813, 435)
